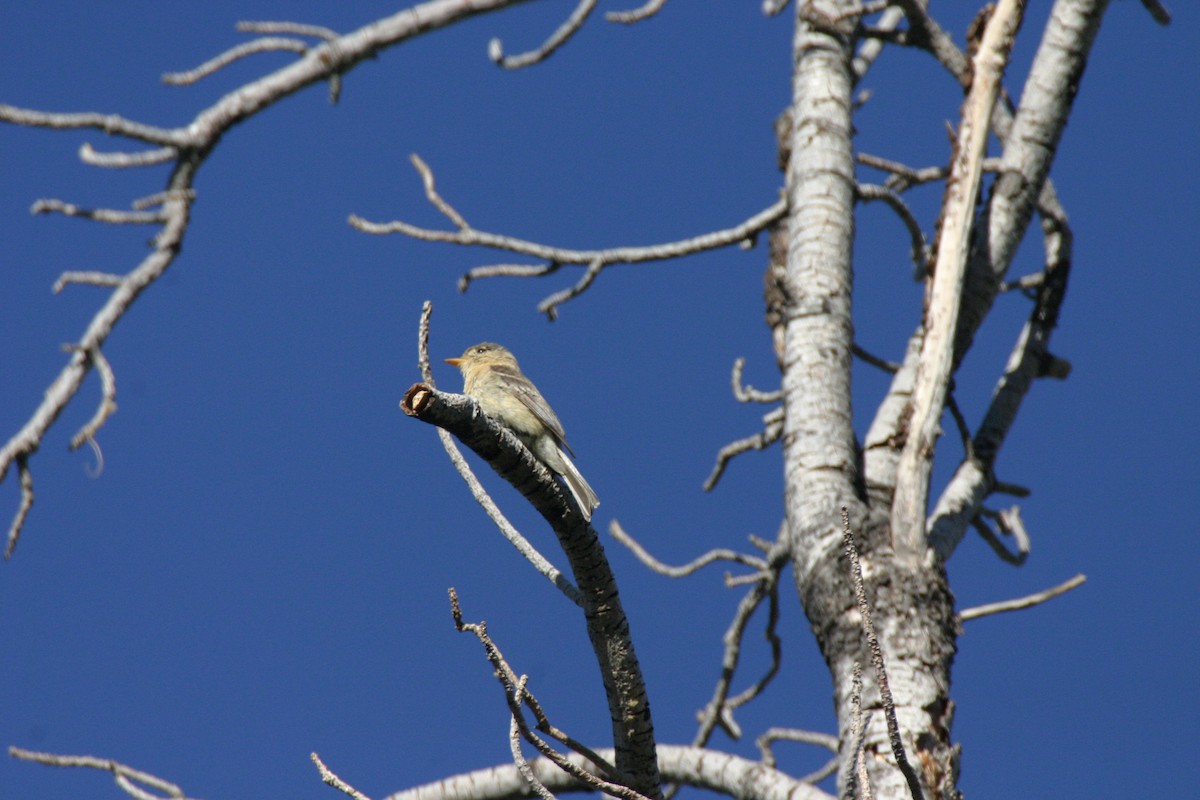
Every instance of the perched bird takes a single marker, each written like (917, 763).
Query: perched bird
(492, 377)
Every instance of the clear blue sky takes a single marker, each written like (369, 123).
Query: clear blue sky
(261, 569)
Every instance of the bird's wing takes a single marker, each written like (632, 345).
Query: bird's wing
(537, 404)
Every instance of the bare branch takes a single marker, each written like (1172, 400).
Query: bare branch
(330, 778)
(273, 44)
(110, 215)
(861, 785)
(648, 9)
(1157, 10)
(126, 777)
(720, 554)
(945, 294)
(863, 10)
(1010, 525)
(903, 177)
(89, 278)
(555, 257)
(189, 145)
(423, 343)
(758, 441)
(516, 694)
(1028, 601)
(14, 530)
(875, 361)
(702, 768)
(549, 306)
(960, 422)
(108, 123)
(826, 740)
(774, 7)
(962, 499)
(292, 28)
(557, 39)
(108, 399)
(748, 394)
(918, 250)
(514, 744)
(885, 692)
(506, 271)
(119, 160)
(1023, 283)
(432, 195)
(870, 49)
(719, 709)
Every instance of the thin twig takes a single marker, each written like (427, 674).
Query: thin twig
(331, 778)
(423, 344)
(861, 786)
(960, 422)
(649, 9)
(517, 695)
(1018, 603)
(891, 367)
(1010, 524)
(885, 692)
(758, 441)
(25, 477)
(271, 44)
(719, 709)
(108, 400)
(431, 193)
(826, 740)
(90, 278)
(108, 123)
(514, 745)
(557, 39)
(918, 249)
(747, 393)
(123, 160)
(112, 216)
(1157, 10)
(555, 257)
(719, 554)
(124, 775)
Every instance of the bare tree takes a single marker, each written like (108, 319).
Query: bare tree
(868, 555)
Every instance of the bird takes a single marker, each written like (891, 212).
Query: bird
(491, 376)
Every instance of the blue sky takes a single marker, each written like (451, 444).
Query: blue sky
(261, 569)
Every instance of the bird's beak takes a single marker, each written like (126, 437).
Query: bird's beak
(454, 362)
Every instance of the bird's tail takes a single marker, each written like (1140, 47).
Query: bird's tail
(584, 496)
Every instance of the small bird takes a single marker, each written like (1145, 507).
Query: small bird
(492, 377)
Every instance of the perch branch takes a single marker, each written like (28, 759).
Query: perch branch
(507, 529)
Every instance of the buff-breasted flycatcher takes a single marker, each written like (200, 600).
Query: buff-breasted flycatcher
(492, 377)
